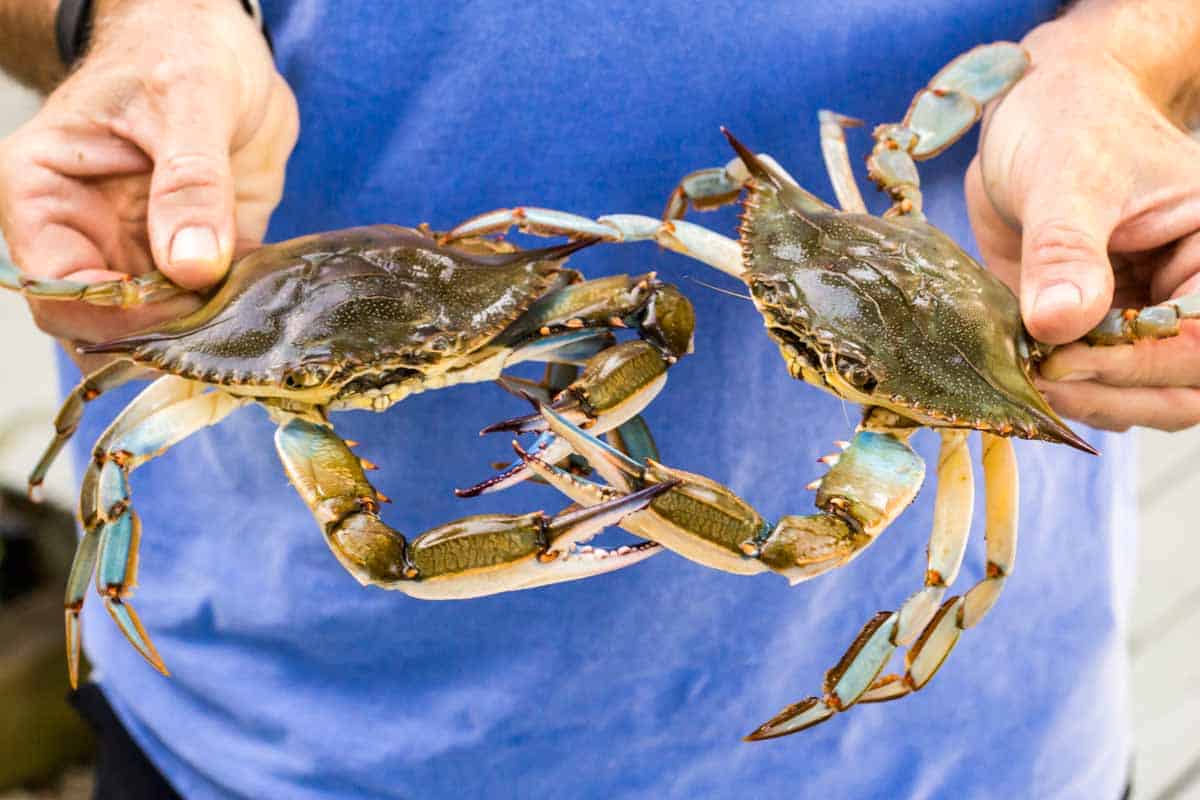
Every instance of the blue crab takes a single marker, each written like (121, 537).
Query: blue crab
(360, 319)
(886, 312)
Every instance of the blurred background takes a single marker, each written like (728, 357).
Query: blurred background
(40, 741)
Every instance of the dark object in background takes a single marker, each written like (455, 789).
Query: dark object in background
(36, 544)
(123, 772)
(39, 732)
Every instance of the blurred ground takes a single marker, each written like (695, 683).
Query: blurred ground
(1166, 622)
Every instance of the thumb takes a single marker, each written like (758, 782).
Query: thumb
(1066, 277)
(191, 203)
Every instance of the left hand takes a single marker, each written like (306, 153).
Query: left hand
(1085, 195)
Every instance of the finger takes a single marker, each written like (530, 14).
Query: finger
(1165, 205)
(999, 242)
(56, 227)
(40, 191)
(1117, 409)
(260, 164)
(190, 213)
(84, 323)
(71, 255)
(79, 152)
(1066, 278)
(1181, 266)
(1150, 362)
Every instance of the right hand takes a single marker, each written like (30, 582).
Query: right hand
(165, 148)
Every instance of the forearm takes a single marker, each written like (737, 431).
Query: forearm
(27, 47)
(1158, 41)
(29, 50)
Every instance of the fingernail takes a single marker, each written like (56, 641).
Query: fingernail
(1056, 298)
(197, 243)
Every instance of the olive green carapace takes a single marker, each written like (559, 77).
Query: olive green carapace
(348, 301)
(898, 311)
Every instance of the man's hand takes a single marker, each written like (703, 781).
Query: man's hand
(1086, 195)
(166, 148)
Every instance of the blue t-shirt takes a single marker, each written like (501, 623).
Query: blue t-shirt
(289, 680)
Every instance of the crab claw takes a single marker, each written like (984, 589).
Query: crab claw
(616, 386)
(700, 519)
(556, 553)
(547, 446)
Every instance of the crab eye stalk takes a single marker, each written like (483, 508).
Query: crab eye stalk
(305, 377)
(856, 373)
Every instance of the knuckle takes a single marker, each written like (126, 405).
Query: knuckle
(190, 172)
(172, 73)
(1062, 242)
(199, 78)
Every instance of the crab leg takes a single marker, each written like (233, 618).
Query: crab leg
(854, 678)
(153, 287)
(953, 509)
(708, 189)
(163, 392)
(837, 160)
(939, 116)
(1125, 326)
(940, 634)
(167, 412)
(683, 237)
(868, 485)
(108, 377)
(470, 557)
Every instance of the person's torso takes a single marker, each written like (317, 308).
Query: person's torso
(290, 680)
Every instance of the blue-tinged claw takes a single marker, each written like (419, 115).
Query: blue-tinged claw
(939, 119)
(127, 620)
(580, 490)
(984, 72)
(942, 113)
(548, 447)
(874, 480)
(614, 466)
(573, 347)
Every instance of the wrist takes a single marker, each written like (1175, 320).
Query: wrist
(1155, 41)
(150, 21)
(27, 50)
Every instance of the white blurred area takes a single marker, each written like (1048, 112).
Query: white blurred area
(1166, 622)
(29, 397)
